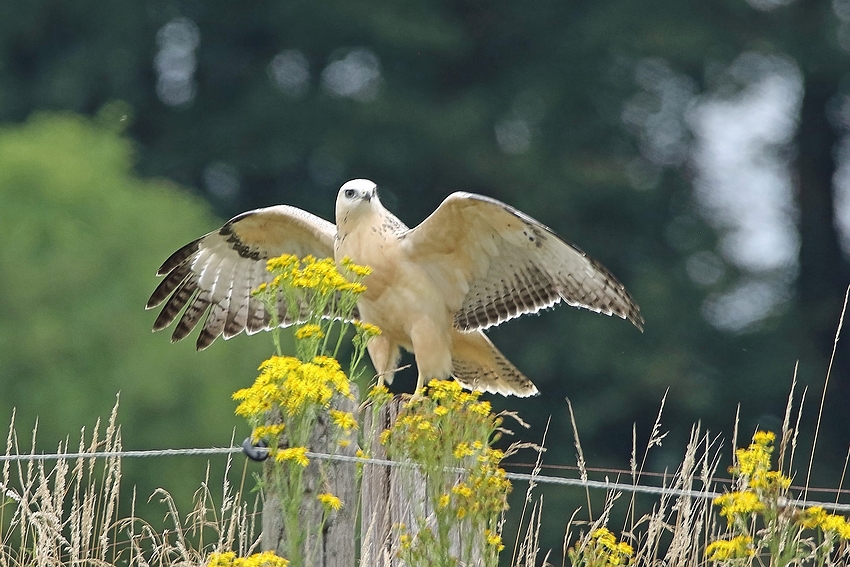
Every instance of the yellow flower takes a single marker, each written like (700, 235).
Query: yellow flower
(292, 385)
(812, 518)
(438, 429)
(379, 395)
(352, 287)
(329, 501)
(282, 263)
(482, 408)
(221, 559)
(816, 517)
(343, 419)
(357, 270)
(462, 450)
(263, 559)
(229, 559)
(738, 503)
(604, 537)
(334, 374)
(764, 438)
(361, 271)
(319, 275)
(739, 547)
(309, 331)
(297, 454)
(368, 329)
(494, 539)
(755, 459)
(769, 481)
(604, 545)
(266, 431)
(837, 524)
(624, 548)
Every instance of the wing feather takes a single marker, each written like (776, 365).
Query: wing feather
(494, 263)
(258, 318)
(212, 278)
(193, 313)
(178, 300)
(213, 324)
(168, 284)
(218, 312)
(237, 315)
(179, 257)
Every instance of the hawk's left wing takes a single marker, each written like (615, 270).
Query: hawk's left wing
(493, 263)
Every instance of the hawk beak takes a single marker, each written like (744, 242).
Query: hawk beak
(368, 197)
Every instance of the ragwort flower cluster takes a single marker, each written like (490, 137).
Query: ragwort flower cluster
(764, 526)
(600, 549)
(293, 386)
(320, 299)
(444, 432)
(263, 559)
(292, 393)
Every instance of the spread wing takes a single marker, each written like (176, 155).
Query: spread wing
(493, 263)
(214, 275)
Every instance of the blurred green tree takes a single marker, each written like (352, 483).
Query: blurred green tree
(83, 236)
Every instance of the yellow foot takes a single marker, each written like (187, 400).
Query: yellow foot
(414, 397)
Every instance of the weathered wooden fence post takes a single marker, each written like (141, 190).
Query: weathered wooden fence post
(335, 544)
(383, 506)
(388, 497)
(392, 496)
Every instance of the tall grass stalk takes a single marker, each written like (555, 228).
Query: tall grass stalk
(65, 511)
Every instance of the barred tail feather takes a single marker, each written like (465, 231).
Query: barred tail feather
(478, 365)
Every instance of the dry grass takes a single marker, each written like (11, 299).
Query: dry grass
(679, 527)
(66, 512)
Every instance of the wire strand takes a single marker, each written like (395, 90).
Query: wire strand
(532, 478)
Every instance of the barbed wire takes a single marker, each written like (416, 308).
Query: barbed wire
(652, 474)
(122, 454)
(525, 477)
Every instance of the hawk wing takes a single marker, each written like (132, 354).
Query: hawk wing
(493, 263)
(215, 274)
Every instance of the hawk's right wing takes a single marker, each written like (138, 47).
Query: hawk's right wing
(215, 274)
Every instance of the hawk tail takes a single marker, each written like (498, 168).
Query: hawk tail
(478, 365)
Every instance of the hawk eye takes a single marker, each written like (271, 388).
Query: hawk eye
(349, 193)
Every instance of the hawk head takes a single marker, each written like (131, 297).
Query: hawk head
(355, 197)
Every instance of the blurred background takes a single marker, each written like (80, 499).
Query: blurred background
(699, 150)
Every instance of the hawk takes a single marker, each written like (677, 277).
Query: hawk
(474, 263)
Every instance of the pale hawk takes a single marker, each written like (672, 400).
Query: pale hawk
(473, 263)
